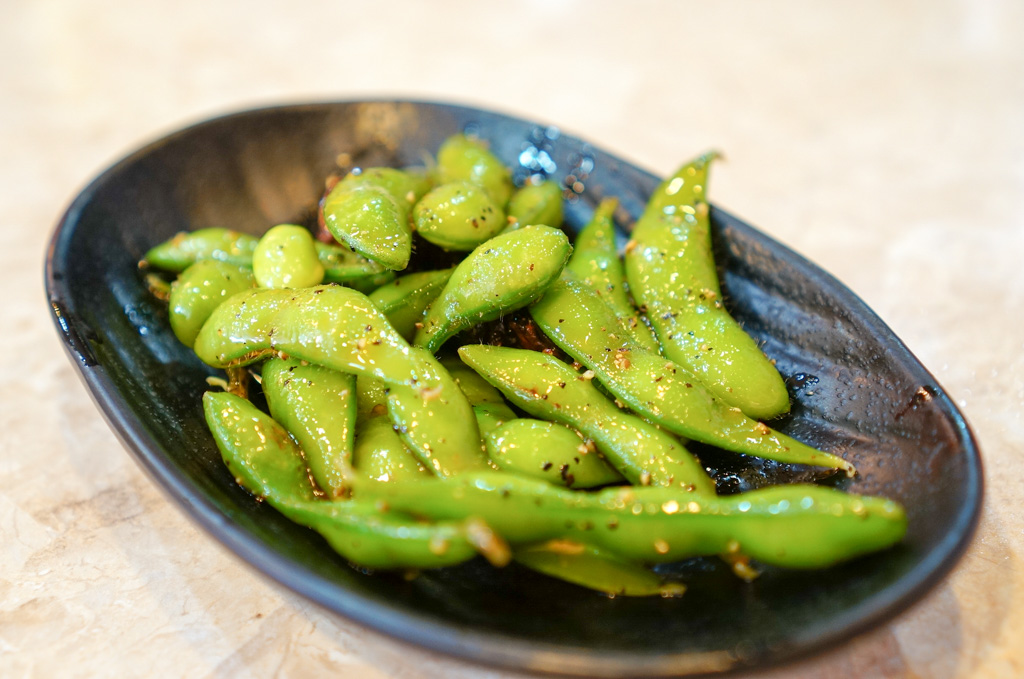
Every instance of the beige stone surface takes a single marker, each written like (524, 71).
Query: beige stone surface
(884, 141)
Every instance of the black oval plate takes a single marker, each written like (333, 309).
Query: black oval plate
(857, 391)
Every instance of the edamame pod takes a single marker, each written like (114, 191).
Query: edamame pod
(595, 261)
(371, 398)
(286, 257)
(490, 416)
(381, 455)
(404, 300)
(369, 538)
(328, 325)
(546, 387)
(478, 391)
(437, 422)
(536, 202)
(576, 319)
(341, 265)
(458, 216)
(794, 526)
(341, 329)
(370, 219)
(406, 186)
(550, 452)
(187, 248)
(368, 284)
(687, 187)
(587, 567)
(199, 290)
(504, 274)
(489, 407)
(595, 568)
(463, 158)
(317, 406)
(258, 452)
(671, 272)
(265, 460)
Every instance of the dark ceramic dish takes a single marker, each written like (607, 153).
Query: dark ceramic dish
(857, 391)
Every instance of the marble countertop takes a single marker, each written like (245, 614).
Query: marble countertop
(884, 141)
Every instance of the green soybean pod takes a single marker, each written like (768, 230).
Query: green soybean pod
(341, 329)
(371, 398)
(368, 284)
(478, 391)
(504, 274)
(595, 261)
(464, 158)
(404, 300)
(550, 452)
(370, 221)
(671, 271)
(258, 452)
(587, 567)
(458, 216)
(342, 265)
(685, 188)
(489, 407)
(407, 186)
(490, 416)
(548, 388)
(199, 290)
(595, 568)
(536, 202)
(437, 422)
(582, 564)
(369, 538)
(368, 210)
(664, 392)
(317, 406)
(286, 257)
(792, 526)
(188, 247)
(381, 455)
(328, 325)
(266, 461)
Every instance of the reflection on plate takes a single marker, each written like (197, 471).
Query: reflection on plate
(856, 388)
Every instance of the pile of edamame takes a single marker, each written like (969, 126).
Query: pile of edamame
(406, 446)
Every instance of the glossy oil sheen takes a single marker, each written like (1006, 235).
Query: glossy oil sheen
(857, 390)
